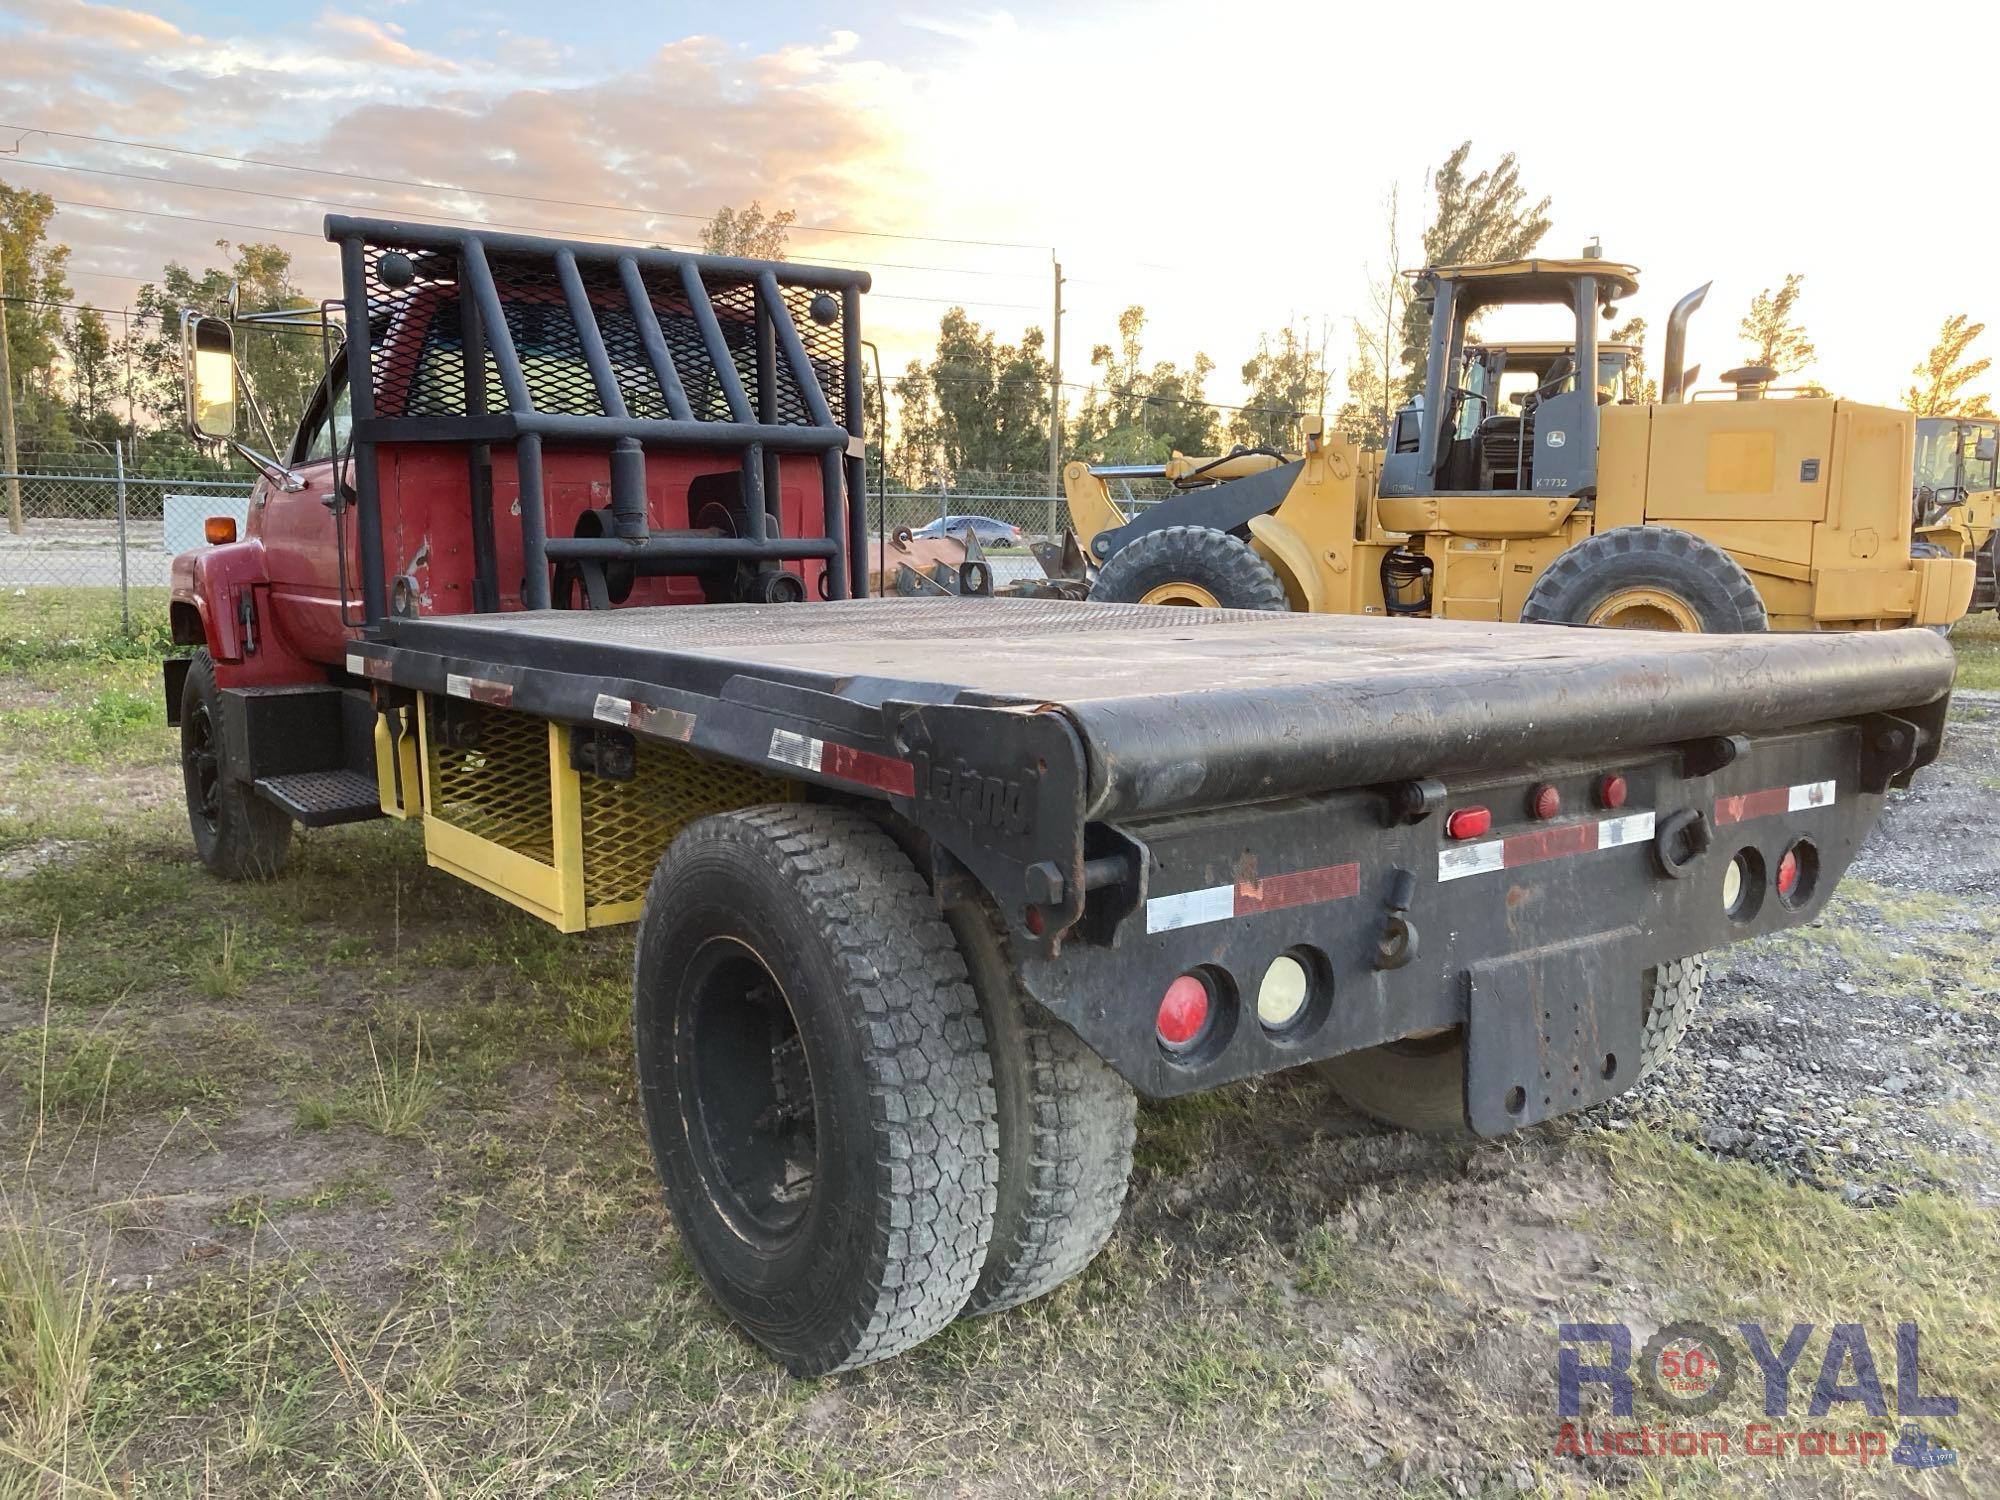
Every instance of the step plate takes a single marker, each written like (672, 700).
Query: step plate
(319, 799)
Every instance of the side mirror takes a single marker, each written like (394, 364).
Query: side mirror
(211, 378)
(1984, 449)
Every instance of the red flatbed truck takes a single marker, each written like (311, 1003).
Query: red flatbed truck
(564, 564)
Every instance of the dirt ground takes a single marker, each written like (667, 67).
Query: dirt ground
(339, 1187)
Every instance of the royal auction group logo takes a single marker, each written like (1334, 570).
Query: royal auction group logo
(1689, 1369)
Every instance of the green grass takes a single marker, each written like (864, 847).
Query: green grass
(1977, 639)
(45, 627)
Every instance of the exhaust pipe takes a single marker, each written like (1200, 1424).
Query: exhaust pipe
(1675, 378)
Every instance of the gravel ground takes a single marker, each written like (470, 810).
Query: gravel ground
(1857, 1055)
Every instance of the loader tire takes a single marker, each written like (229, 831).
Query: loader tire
(1192, 566)
(1419, 1084)
(815, 1082)
(1066, 1130)
(237, 834)
(1647, 578)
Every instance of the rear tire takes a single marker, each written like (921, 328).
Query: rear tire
(1648, 577)
(1192, 566)
(238, 835)
(1419, 1085)
(1066, 1129)
(815, 1083)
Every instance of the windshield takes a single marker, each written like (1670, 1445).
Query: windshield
(1956, 453)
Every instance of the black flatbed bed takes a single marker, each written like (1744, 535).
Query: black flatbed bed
(1182, 708)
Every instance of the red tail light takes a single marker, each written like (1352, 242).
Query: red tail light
(1545, 802)
(1183, 1013)
(1468, 823)
(1788, 873)
(1611, 792)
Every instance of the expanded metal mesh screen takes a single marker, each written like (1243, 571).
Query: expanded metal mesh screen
(627, 825)
(493, 782)
(417, 337)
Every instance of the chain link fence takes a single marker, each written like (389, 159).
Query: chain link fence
(88, 520)
(96, 525)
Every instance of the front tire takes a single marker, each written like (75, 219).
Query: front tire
(1648, 578)
(1419, 1084)
(238, 835)
(1192, 566)
(815, 1082)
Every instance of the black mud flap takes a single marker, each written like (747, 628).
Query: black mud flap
(1551, 1031)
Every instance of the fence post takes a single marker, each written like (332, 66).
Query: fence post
(124, 568)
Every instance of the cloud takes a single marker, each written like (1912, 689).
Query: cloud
(379, 42)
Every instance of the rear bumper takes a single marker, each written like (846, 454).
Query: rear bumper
(1539, 934)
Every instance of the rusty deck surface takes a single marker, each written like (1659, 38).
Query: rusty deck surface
(1165, 695)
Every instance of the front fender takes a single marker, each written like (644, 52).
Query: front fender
(213, 580)
(1286, 551)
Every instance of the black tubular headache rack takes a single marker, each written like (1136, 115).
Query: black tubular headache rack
(623, 347)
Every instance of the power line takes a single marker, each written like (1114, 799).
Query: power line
(446, 187)
(306, 234)
(377, 209)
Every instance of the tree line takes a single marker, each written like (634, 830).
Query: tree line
(975, 403)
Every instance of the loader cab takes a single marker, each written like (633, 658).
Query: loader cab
(1510, 417)
(1956, 457)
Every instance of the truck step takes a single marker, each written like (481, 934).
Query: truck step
(319, 799)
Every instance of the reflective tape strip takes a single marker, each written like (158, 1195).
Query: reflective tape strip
(862, 767)
(1460, 860)
(1773, 800)
(1215, 903)
(1223, 903)
(629, 713)
(796, 749)
(612, 710)
(479, 690)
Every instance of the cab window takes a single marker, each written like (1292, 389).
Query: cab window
(327, 427)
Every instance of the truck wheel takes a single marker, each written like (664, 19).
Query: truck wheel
(238, 835)
(815, 1083)
(1647, 578)
(1066, 1129)
(1418, 1084)
(1191, 566)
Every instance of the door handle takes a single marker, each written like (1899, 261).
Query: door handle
(331, 500)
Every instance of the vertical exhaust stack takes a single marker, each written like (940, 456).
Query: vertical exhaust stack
(1675, 378)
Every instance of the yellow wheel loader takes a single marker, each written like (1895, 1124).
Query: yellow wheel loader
(1958, 497)
(1511, 489)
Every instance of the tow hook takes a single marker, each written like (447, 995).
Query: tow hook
(1682, 839)
(1398, 943)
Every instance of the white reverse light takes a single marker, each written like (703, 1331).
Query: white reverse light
(1282, 994)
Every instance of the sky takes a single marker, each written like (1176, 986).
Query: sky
(1224, 166)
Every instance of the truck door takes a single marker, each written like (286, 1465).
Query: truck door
(299, 530)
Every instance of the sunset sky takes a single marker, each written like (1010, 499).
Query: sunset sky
(1223, 165)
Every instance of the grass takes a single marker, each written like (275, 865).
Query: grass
(403, 1232)
(1977, 639)
(50, 1319)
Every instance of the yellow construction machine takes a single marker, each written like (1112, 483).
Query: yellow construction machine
(1958, 496)
(1511, 489)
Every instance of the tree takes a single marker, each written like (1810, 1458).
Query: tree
(33, 267)
(978, 405)
(1287, 379)
(1633, 331)
(1141, 414)
(88, 343)
(748, 232)
(1942, 378)
(281, 365)
(1371, 387)
(1482, 218)
(1773, 331)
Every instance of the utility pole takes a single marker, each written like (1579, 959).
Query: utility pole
(9, 454)
(1055, 396)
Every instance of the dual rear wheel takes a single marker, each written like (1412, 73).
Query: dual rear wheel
(863, 1128)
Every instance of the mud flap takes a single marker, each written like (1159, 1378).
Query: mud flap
(1551, 1031)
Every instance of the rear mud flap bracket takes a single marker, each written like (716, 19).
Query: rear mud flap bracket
(1551, 1031)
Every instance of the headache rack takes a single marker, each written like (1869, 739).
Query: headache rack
(524, 340)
